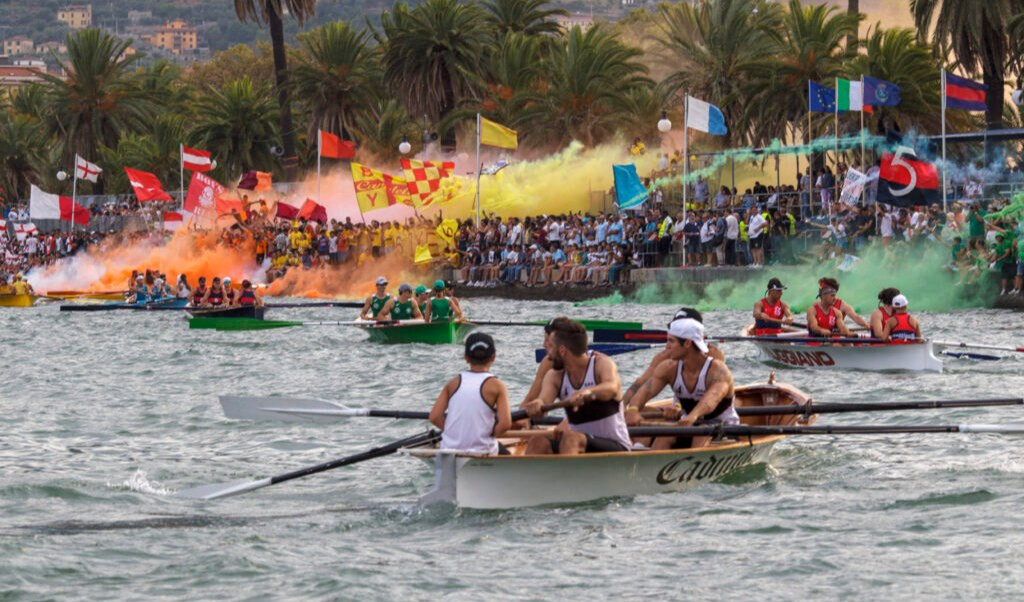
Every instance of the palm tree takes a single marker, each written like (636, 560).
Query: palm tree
(238, 124)
(272, 13)
(98, 100)
(714, 48)
(155, 151)
(22, 159)
(432, 53)
(382, 127)
(528, 17)
(512, 70)
(587, 85)
(338, 76)
(977, 34)
(812, 47)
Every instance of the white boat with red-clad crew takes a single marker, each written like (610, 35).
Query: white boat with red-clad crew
(871, 355)
(482, 481)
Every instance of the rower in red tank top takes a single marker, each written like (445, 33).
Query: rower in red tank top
(845, 309)
(901, 326)
(199, 293)
(823, 319)
(248, 296)
(771, 312)
(881, 315)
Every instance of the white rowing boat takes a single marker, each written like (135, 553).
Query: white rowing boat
(517, 480)
(912, 356)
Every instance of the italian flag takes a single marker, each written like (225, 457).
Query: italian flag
(849, 95)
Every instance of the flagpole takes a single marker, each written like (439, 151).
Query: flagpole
(74, 192)
(810, 155)
(863, 153)
(835, 178)
(181, 174)
(478, 170)
(686, 162)
(944, 208)
(319, 148)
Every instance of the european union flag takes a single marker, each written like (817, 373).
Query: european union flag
(880, 93)
(822, 99)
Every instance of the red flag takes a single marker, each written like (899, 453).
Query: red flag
(313, 211)
(202, 192)
(225, 205)
(147, 186)
(334, 147)
(172, 220)
(195, 159)
(286, 211)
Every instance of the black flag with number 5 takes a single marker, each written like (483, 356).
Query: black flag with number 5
(907, 181)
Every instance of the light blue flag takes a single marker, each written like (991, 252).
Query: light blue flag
(629, 190)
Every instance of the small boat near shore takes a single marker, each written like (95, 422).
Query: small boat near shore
(909, 356)
(416, 331)
(518, 480)
(14, 300)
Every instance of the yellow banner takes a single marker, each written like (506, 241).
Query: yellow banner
(495, 134)
(447, 231)
(378, 190)
(423, 254)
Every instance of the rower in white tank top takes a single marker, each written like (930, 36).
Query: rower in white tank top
(469, 422)
(724, 412)
(595, 418)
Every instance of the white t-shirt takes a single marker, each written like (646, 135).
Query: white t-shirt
(756, 226)
(732, 227)
(555, 232)
(885, 225)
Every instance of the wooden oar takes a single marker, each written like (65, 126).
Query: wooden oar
(587, 323)
(296, 409)
(355, 304)
(222, 324)
(756, 431)
(978, 346)
(659, 336)
(605, 348)
(967, 355)
(210, 492)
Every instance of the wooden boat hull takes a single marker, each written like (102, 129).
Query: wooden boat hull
(73, 295)
(170, 304)
(17, 300)
(434, 333)
(494, 482)
(908, 357)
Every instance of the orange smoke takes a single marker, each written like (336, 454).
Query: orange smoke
(349, 280)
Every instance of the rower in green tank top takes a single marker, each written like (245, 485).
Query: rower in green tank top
(422, 298)
(376, 302)
(402, 307)
(441, 307)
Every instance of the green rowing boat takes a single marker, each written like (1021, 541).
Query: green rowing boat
(435, 333)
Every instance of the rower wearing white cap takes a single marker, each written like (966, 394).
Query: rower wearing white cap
(771, 312)
(139, 293)
(710, 396)
(713, 351)
(901, 326)
(402, 307)
(376, 301)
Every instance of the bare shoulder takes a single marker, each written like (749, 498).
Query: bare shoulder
(719, 372)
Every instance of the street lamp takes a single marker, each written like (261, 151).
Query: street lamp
(404, 147)
(62, 175)
(664, 125)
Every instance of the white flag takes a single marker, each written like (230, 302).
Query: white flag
(85, 170)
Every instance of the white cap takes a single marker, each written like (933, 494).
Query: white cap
(689, 330)
(899, 301)
(381, 281)
(226, 279)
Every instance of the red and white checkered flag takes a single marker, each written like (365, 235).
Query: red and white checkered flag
(424, 178)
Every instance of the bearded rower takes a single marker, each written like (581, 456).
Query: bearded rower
(881, 315)
(824, 318)
(441, 307)
(376, 302)
(590, 382)
(402, 307)
(771, 312)
(901, 326)
(845, 309)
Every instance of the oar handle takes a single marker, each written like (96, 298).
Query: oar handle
(521, 414)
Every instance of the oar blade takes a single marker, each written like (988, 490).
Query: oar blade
(219, 490)
(602, 335)
(1014, 429)
(238, 324)
(284, 409)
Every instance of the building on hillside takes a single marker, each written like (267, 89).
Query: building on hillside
(18, 45)
(584, 22)
(55, 47)
(76, 16)
(13, 76)
(177, 36)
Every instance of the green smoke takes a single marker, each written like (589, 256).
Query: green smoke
(918, 272)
